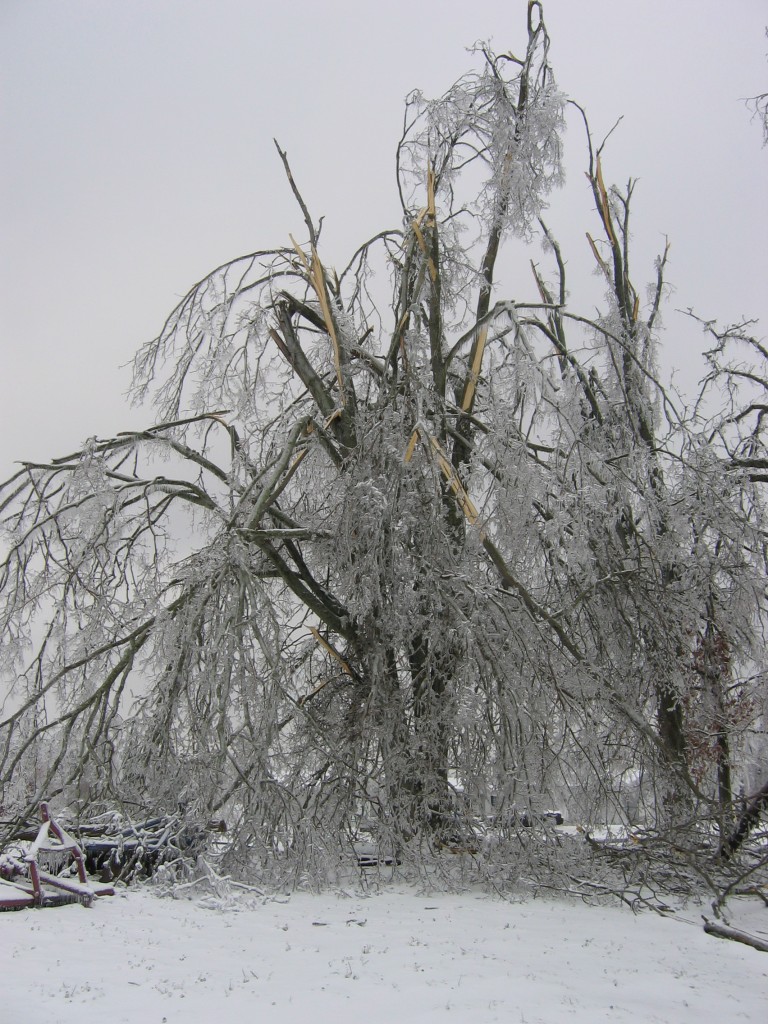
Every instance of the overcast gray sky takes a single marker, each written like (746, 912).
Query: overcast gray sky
(137, 155)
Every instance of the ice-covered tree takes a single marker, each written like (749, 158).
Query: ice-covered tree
(397, 546)
(759, 107)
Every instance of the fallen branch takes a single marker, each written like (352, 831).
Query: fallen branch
(722, 931)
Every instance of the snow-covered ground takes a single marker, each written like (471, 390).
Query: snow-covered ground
(396, 955)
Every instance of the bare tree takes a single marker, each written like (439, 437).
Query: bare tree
(440, 550)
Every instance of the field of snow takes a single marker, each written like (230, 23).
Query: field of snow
(396, 955)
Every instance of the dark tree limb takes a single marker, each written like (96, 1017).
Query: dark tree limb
(750, 816)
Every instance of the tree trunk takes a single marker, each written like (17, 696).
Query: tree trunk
(429, 674)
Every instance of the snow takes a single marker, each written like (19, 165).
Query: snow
(395, 955)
